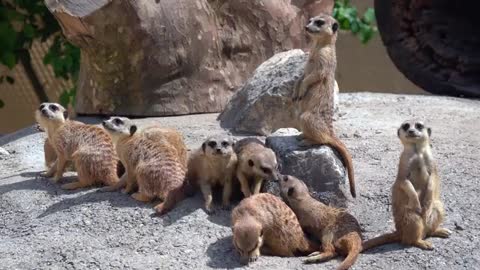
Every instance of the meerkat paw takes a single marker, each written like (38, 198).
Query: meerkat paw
(314, 254)
(46, 174)
(424, 245)
(141, 197)
(253, 258)
(319, 257)
(442, 233)
(209, 209)
(161, 209)
(74, 185)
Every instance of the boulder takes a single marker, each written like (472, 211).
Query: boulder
(319, 166)
(261, 105)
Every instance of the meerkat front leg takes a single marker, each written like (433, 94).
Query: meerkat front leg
(207, 195)
(120, 184)
(427, 199)
(244, 184)
(227, 192)
(413, 200)
(130, 182)
(61, 163)
(50, 171)
(258, 185)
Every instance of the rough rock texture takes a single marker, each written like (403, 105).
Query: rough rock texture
(44, 227)
(319, 167)
(260, 106)
(169, 57)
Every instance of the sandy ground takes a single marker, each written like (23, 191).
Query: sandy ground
(44, 227)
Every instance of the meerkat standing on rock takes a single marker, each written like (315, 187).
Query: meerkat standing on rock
(89, 147)
(264, 224)
(416, 205)
(313, 96)
(255, 162)
(338, 231)
(154, 165)
(213, 164)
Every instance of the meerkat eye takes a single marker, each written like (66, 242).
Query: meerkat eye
(266, 170)
(118, 121)
(41, 107)
(319, 22)
(285, 178)
(212, 144)
(224, 143)
(406, 126)
(53, 108)
(419, 126)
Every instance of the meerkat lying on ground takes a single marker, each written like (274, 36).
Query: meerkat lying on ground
(154, 165)
(157, 134)
(214, 163)
(313, 96)
(89, 147)
(416, 206)
(264, 224)
(338, 231)
(255, 162)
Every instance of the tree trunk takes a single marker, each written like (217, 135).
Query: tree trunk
(170, 57)
(37, 86)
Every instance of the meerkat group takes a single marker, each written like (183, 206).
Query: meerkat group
(152, 163)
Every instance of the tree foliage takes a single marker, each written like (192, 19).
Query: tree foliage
(22, 22)
(348, 18)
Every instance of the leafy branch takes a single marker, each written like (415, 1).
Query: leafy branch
(348, 18)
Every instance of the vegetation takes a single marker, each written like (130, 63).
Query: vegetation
(23, 21)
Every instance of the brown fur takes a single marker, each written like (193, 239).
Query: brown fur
(255, 162)
(89, 147)
(338, 231)
(264, 224)
(170, 135)
(214, 163)
(416, 205)
(313, 95)
(154, 165)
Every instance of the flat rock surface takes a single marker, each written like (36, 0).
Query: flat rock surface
(44, 227)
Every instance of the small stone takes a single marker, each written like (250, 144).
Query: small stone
(4, 152)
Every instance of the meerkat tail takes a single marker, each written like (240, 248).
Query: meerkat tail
(381, 240)
(353, 252)
(173, 197)
(347, 159)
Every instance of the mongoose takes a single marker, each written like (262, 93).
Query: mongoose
(338, 231)
(255, 162)
(313, 95)
(89, 147)
(214, 163)
(416, 206)
(264, 224)
(154, 165)
(155, 133)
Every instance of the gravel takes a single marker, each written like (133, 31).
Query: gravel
(44, 227)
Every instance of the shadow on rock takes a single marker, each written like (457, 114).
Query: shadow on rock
(386, 248)
(30, 184)
(222, 254)
(182, 209)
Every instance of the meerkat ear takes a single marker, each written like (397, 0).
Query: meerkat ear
(290, 191)
(204, 146)
(429, 130)
(334, 27)
(261, 232)
(65, 114)
(133, 129)
(398, 133)
(250, 163)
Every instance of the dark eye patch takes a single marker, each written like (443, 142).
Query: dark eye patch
(212, 144)
(319, 22)
(225, 144)
(118, 121)
(266, 170)
(53, 108)
(406, 126)
(419, 126)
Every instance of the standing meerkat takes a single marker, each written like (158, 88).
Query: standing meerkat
(264, 224)
(255, 162)
(214, 163)
(89, 147)
(338, 231)
(313, 96)
(416, 205)
(154, 165)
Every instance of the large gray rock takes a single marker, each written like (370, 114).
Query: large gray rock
(319, 167)
(261, 105)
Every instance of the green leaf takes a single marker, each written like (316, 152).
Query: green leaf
(8, 59)
(369, 16)
(2, 104)
(10, 80)
(29, 31)
(8, 36)
(64, 98)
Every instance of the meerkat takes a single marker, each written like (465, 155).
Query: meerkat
(255, 162)
(264, 224)
(155, 166)
(214, 163)
(338, 231)
(416, 205)
(155, 133)
(89, 147)
(313, 95)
